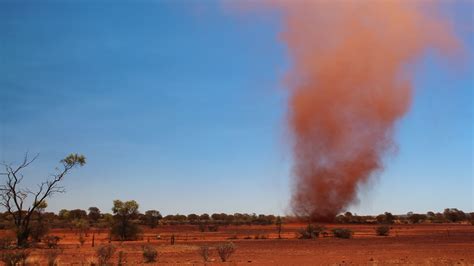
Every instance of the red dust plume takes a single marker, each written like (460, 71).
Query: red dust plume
(349, 84)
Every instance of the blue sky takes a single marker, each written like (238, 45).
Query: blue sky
(179, 106)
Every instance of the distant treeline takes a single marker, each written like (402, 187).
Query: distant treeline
(153, 218)
(450, 215)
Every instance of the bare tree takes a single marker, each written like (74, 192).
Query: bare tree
(13, 197)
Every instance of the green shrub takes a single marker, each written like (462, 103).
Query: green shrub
(149, 254)
(382, 230)
(342, 233)
(311, 231)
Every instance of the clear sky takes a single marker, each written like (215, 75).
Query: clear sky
(179, 106)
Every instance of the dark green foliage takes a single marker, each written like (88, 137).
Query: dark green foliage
(311, 231)
(94, 214)
(123, 227)
(382, 230)
(415, 218)
(342, 233)
(125, 232)
(152, 218)
(454, 215)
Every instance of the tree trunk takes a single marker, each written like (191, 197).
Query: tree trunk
(22, 237)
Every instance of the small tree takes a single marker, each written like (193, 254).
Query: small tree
(94, 214)
(123, 227)
(225, 250)
(415, 218)
(39, 228)
(152, 218)
(13, 197)
(279, 223)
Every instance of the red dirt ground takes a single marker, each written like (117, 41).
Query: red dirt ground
(407, 244)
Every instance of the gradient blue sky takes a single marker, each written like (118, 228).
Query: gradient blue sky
(179, 106)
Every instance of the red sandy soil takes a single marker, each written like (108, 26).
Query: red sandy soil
(438, 244)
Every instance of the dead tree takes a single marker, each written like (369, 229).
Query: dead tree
(13, 197)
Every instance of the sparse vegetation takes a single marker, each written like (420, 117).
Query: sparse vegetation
(279, 223)
(14, 258)
(204, 252)
(104, 253)
(51, 241)
(13, 196)
(213, 228)
(225, 251)
(52, 256)
(260, 236)
(6, 243)
(311, 231)
(342, 233)
(121, 259)
(149, 254)
(382, 230)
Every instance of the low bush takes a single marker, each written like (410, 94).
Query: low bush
(311, 231)
(382, 230)
(104, 253)
(225, 251)
(342, 233)
(15, 258)
(149, 254)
